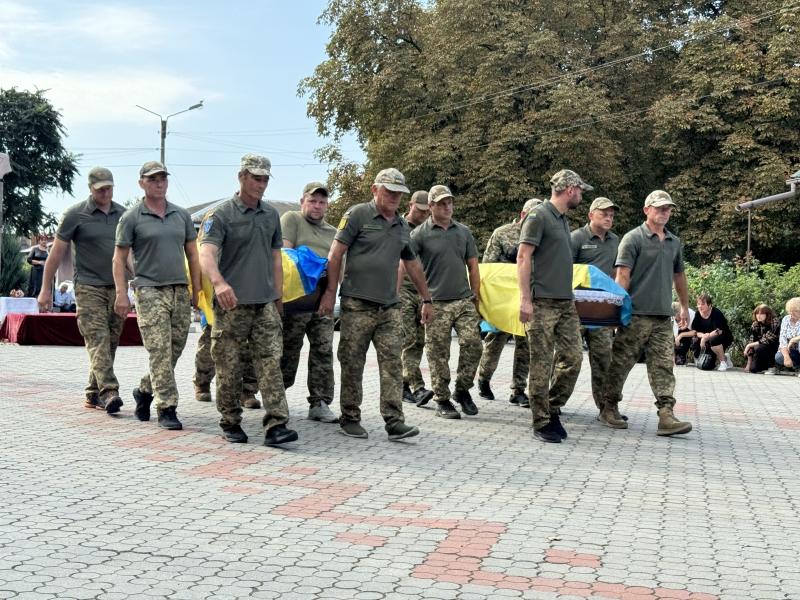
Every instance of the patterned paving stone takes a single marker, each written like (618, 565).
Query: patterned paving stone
(99, 507)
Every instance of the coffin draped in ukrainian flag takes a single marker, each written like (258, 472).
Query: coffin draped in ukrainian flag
(302, 271)
(600, 300)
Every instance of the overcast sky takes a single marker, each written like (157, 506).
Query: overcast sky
(243, 59)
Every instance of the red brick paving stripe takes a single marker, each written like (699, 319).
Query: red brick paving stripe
(242, 489)
(786, 424)
(300, 470)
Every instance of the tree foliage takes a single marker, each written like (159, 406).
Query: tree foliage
(13, 275)
(31, 134)
(493, 96)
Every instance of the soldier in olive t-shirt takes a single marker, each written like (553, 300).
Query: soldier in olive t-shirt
(649, 264)
(374, 238)
(544, 272)
(595, 244)
(308, 227)
(89, 228)
(446, 250)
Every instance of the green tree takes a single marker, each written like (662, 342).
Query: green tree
(728, 131)
(13, 273)
(492, 96)
(31, 134)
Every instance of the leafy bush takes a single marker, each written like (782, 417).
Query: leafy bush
(13, 273)
(736, 292)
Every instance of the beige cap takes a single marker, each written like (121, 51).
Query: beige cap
(100, 177)
(315, 186)
(566, 178)
(439, 192)
(531, 204)
(602, 203)
(256, 165)
(658, 198)
(152, 167)
(420, 198)
(392, 179)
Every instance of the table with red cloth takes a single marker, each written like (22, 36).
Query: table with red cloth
(57, 329)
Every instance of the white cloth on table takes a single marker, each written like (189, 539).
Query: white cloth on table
(28, 306)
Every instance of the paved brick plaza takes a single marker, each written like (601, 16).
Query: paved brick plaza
(98, 507)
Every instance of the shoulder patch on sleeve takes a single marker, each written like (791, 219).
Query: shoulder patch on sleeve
(342, 223)
(209, 222)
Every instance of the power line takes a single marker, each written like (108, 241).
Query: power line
(617, 115)
(555, 79)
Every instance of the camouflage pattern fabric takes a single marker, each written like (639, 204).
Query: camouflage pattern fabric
(463, 316)
(493, 345)
(363, 322)
(100, 327)
(320, 354)
(413, 338)
(260, 326)
(599, 341)
(503, 244)
(654, 335)
(204, 370)
(553, 330)
(164, 314)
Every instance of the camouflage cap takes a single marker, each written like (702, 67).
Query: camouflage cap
(531, 204)
(152, 167)
(256, 165)
(602, 203)
(315, 186)
(392, 179)
(658, 198)
(420, 198)
(566, 178)
(100, 177)
(439, 192)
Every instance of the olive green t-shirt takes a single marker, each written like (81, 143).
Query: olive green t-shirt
(589, 249)
(158, 244)
(92, 233)
(653, 264)
(407, 285)
(444, 254)
(548, 230)
(375, 248)
(298, 230)
(246, 238)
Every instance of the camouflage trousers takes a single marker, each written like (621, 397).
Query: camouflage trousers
(413, 338)
(164, 314)
(259, 326)
(654, 335)
(599, 341)
(320, 354)
(462, 316)
(204, 370)
(363, 322)
(493, 345)
(100, 327)
(554, 330)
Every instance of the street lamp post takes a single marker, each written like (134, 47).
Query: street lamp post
(164, 123)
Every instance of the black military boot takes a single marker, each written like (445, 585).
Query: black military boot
(168, 419)
(485, 390)
(143, 401)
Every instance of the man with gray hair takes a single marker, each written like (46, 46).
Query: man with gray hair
(162, 238)
(547, 305)
(595, 244)
(90, 227)
(413, 331)
(308, 227)
(502, 248)
(649, 263)
(375, 239)
(240, 253)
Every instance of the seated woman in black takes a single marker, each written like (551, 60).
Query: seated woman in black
(709, 330)
(763, 343)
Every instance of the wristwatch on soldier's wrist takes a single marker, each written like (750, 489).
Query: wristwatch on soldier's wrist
(428, 301)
